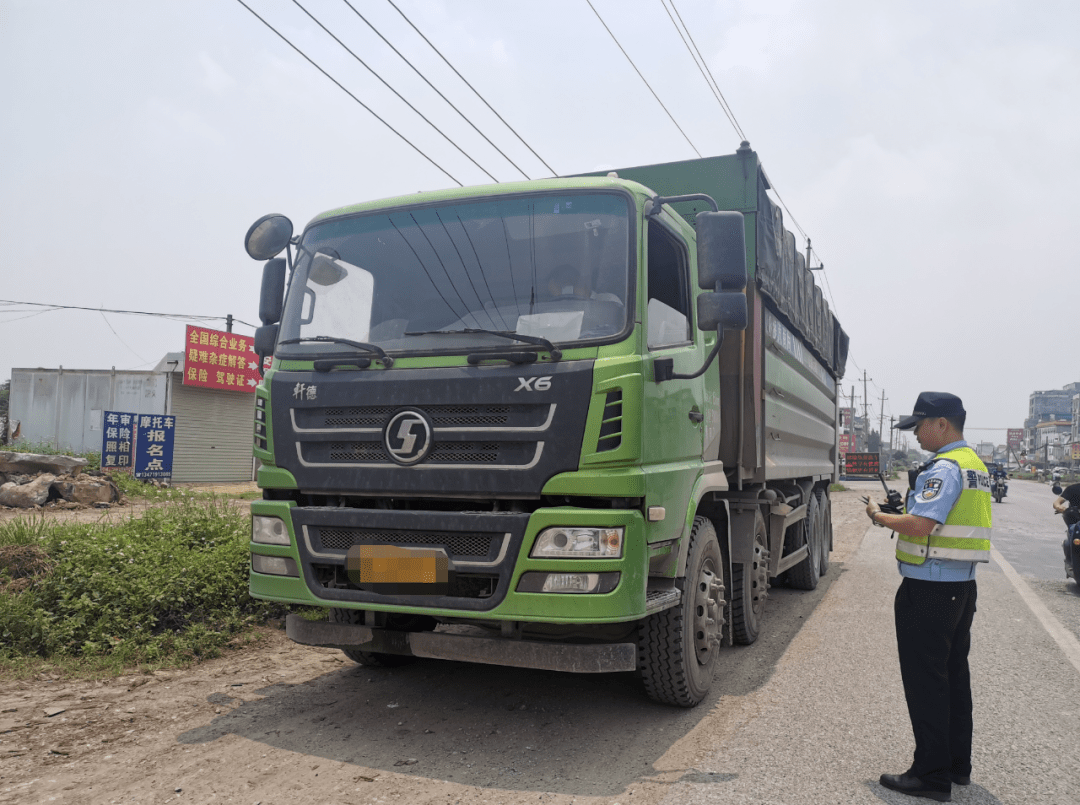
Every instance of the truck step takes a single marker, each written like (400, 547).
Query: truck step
(658, 600)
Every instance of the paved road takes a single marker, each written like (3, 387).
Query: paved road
(1028, 533)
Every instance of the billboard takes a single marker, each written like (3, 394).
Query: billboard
(1015, 438)
(218, 360)
(117, 438)
(846, 417)
(1076, 451)
(153, 449)
(862, 464)
(847, 442)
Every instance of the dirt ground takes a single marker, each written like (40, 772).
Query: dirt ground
(279, 723)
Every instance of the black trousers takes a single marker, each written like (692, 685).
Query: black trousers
(933, 633)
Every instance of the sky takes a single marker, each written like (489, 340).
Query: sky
(928, 149)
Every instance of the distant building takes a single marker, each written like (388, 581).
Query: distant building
(1055, 405)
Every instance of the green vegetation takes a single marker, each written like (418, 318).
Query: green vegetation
(837, 488)
(163, 589)
(46, 449)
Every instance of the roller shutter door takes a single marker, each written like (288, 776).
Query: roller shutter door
(213, 434)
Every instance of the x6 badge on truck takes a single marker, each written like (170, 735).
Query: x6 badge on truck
(534, 383)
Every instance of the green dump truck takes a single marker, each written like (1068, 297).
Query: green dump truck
(577, 424)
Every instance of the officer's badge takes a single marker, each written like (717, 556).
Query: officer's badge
(931, 489)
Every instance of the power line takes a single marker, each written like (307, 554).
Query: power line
(712, 86)
(174, 316)
(636, 70)
(398, 94)
(342, 88)
(460, 113)
(470, 86)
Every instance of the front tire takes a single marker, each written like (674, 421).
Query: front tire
(677, 648)
(805, 575)
(826, 529)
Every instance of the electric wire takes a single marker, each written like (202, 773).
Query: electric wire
(172, 316)
(342, 88)
(460, 113)
(470, 86)
(647, 84)
(121, 340)
(720, 99)
(401, 97)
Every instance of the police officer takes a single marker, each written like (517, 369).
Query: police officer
(942, 536)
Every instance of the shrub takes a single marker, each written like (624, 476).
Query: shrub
(169, 586)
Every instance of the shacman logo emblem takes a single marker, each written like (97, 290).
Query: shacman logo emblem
(407, 437)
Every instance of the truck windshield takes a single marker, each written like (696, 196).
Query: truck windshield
(552, 266)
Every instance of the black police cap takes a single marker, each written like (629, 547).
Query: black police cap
(932, 404)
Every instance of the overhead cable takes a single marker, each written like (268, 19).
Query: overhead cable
(636, 70)
(174, 316)
(460, 113)
(398, 94)
(710, 82)
(470, 86)
(342, 88)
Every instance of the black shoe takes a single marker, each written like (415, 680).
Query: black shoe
(960, 779)
(915, 787)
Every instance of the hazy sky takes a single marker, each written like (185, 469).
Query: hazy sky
(929, 149)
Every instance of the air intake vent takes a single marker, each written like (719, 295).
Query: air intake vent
(611, 426)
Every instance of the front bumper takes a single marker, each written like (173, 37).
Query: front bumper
(596, 658)
(320, 579)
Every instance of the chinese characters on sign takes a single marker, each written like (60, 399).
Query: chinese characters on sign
(218, 360)
(154, 446)
(847, 442)
(862, 464)
(1016, 436)
(117, 438)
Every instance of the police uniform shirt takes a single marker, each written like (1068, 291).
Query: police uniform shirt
(936, 491)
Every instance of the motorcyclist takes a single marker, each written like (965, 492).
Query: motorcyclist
(1068, 506)
(998, 475)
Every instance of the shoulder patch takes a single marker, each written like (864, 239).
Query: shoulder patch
(931, 489)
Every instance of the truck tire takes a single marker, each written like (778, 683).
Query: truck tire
(804, 576)
(826, 529)
(677, 647)
(1075, 561)
(370, 659)
(750, 588)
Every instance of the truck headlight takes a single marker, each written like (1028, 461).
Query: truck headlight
(274, 565)
(269, 531)
(578, 543)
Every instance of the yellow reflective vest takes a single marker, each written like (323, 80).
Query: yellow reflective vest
(965, 534)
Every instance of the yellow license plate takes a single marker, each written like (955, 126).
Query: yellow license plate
(389, 568)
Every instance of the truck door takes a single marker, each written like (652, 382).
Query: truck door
(673, 410)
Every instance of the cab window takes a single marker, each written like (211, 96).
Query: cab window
(668, 310)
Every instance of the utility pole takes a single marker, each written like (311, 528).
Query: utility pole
(881, 422)
(865, 411)
(892, 432)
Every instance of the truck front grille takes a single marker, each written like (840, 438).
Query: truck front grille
(457, 544)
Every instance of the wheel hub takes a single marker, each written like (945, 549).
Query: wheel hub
(709, 606)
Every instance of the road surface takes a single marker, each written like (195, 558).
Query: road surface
(812, 713)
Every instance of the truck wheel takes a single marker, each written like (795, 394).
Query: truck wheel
(371, 659)
(1075, 562)
(677, 648)
(804, 576)
(826, 529)
(750, 588)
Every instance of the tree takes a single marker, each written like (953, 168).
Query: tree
(874, 442)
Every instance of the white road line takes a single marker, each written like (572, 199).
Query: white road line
(1068, 644)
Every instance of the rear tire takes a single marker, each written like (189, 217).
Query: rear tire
(750, 589)
(677, 647)
(805, 575)
(369, 659)
(1075, 562)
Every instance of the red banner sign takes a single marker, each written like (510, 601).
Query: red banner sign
(217, 360)
(1015, 438)
(847, 443)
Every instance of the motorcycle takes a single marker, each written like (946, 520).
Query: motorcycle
(1071, 543)
(999, 487)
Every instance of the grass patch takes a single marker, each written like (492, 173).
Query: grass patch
(161, 590)
(837, 488)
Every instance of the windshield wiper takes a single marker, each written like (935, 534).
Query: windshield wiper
(384, 359)
(527, 339)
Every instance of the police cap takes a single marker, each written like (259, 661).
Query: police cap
(932, 404)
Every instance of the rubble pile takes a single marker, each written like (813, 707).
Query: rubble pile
(31, 480)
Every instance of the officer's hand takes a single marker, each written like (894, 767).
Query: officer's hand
(872, 508)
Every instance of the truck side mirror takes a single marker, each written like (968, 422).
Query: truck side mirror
(721, 251)
(265, 340)
(273, 291)
(268, 236)
(721, 310)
